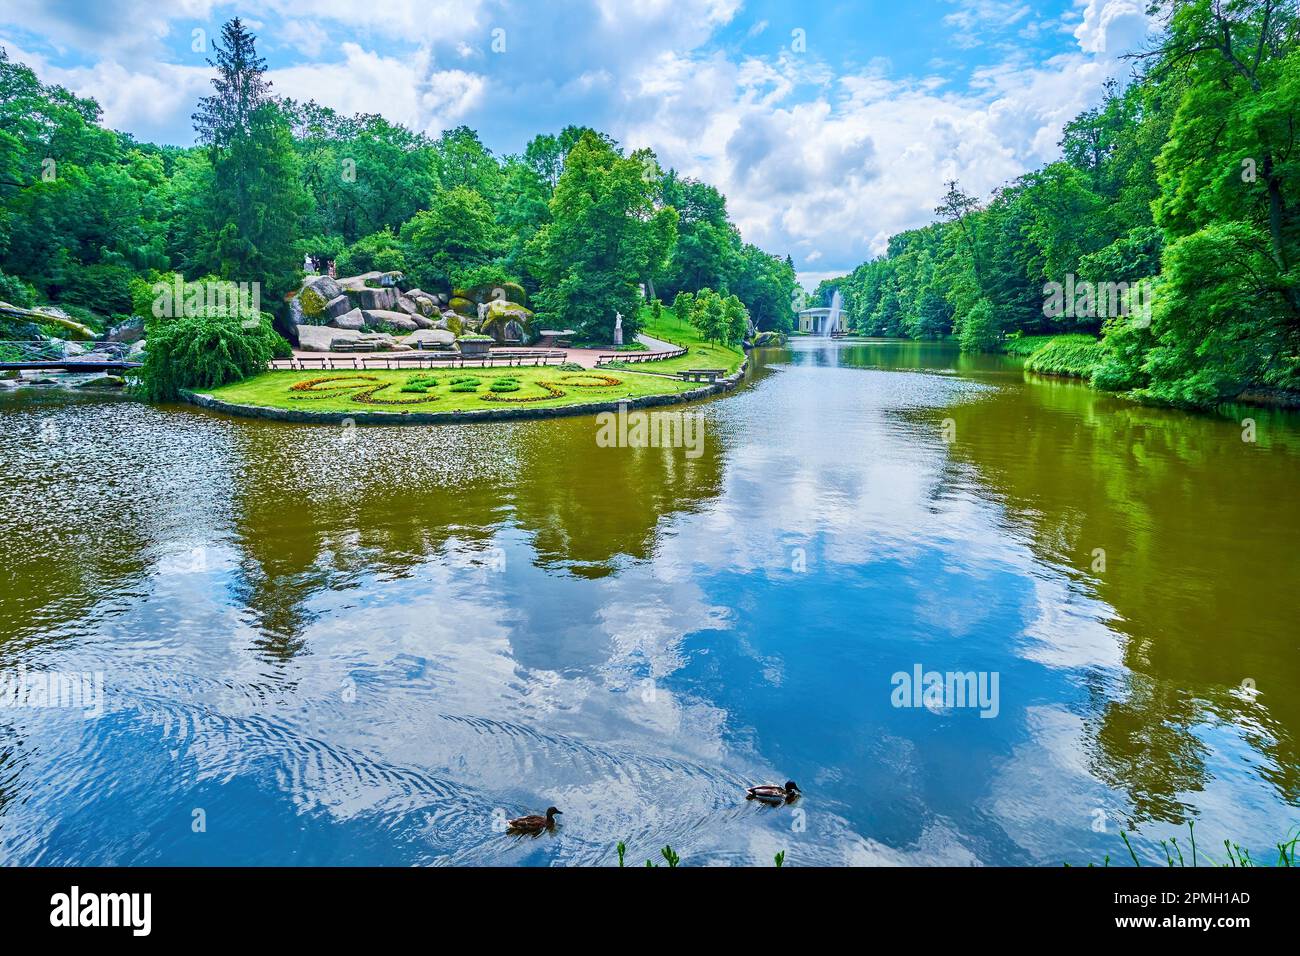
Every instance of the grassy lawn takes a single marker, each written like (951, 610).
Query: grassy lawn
(702, 354)
(347, 391)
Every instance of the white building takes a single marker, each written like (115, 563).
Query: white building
(814, 321)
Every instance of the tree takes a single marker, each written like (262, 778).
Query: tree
(254, 201)
(605, 236)
(455, 233)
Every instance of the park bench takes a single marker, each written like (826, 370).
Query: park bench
(710, 375)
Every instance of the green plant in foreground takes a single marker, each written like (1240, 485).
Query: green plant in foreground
(673, 859)
(1237, 855)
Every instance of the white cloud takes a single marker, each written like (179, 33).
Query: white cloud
(817, 159)
(306, 36)
(1112, 27)
(406, 89)
(830, 178)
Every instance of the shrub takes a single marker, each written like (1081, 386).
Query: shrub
(205, 352)
(16, 292)
(505, 385)
(465, 387)
(377, 252)
(980, 329)
(466, 380)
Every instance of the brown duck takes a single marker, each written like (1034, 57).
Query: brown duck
(533, 825)
(775, 796)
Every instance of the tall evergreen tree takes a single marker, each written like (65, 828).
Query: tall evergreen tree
(253, 198)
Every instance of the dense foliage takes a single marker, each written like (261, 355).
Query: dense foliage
(206, 351)
(85, 211)
(1187, 180)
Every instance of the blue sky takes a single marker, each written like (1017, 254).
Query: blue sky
(829, 125)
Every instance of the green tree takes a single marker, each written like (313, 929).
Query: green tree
(250, 216)
(606, 235)
(457, 232)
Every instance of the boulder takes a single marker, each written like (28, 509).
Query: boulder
(319, 338)
(408, 305)
(423, 301)
(385, 280)
(136, 352)
(132, 330)
(506, 321)
(354, 320)
(104, 381)
(431, 338)
(337, 306)
(422, 321)
(368, 298)
(317, 293)
(382, 317)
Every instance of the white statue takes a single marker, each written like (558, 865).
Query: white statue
(307, 266)
(618, 328)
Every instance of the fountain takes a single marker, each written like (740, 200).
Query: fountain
(832, 320)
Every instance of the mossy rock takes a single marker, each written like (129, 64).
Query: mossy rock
(515, 293)
(493, 292)
(463, 306)
(312, 302)
(506, 321)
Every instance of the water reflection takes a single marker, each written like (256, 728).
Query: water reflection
(368, 645)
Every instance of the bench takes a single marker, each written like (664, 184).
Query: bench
(711, 375)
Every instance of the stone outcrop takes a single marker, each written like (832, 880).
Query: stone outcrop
(380, 318)
(507, 322)
(354, 320)
(431, 338)
(363, 304)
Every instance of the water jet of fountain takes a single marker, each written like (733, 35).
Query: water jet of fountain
(837, 306)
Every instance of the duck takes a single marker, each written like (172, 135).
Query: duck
(533, 825)
(775, 796)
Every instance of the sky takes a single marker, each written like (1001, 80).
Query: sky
(829, 125)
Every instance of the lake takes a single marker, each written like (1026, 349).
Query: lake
(337, 645)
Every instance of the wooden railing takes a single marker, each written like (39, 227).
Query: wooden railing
(402, 360)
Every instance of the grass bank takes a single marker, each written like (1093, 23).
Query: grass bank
(385, 390)
(1073, 356)
(702, 354)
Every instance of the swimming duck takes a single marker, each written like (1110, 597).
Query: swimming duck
(533, 825)
(775, 796)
